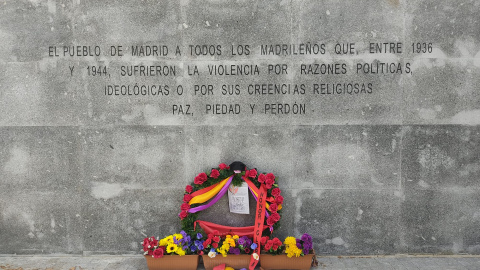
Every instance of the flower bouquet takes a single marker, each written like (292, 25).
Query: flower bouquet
(176, 251)
(293, 253)
(231, 250)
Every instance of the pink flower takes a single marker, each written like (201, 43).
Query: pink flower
(261, 178)
(270, 222)
(189, 189)
(251, 173)
(276, 192)
(185, 207)
(215, 173)
(200, 178)
(158, 253)
(223, 166)
(273, 207)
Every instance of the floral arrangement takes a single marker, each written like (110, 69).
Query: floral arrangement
(175, 244)
(229, 244)
(298, 247)
(208, 184)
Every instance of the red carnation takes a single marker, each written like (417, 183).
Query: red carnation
(215, 173)
(269, 183)
(211, 235)
(268, 245)
(215, 245)
(185, 207)
(208, 241)
(189, 189)
(273, 207)
(275, 217)
(251, 173)
(270, 176)
(276, 192)
(187, 198)
(261, 178)
(216, 239)
(279, 199)
(200, 178)
(205, 244)
(263, 240)
(223, 166)
(274, 246)
(277, 241)
(183, 214)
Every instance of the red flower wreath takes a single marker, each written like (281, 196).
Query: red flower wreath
(206, 181)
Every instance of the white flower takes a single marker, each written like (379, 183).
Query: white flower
(212, 254)
(255, 256)
(145, 253)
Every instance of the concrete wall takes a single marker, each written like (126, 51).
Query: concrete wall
(393, 171)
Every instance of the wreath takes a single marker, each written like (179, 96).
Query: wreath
(208, 187)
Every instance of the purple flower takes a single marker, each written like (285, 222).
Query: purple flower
(199, 236)
(305, 251)
(235, 251)
(193, 248)
(306, 238)
(299, 245)
(253, 246)
(241, 241)
(248, 242)
(183, 233)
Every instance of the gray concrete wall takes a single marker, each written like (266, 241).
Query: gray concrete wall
(392, 171)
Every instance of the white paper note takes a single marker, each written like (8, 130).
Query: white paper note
(238, 199)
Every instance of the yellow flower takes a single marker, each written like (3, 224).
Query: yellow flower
(279, 207)
(290, 241)
(178, 236)
(235, 237)
(228, 236)
(172, 248)
(169, 239)
(180, 251)
(163, 242)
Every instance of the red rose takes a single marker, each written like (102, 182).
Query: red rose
(223, 166)
(269, 183)
(275, 217)
(205, 244)
(158, 253)
(251, 173)
(215, 173)
(187, 198)
(185, 207)
(279, 199)
(276, 192)
(270, 176)
(215, 245)
(274, 246)
(263, 240)
(273, 207)
(189, 189)
(270, 221)
(261, 178)
(183, 214)
(211, 235)
(216, 239)
(200, 178)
